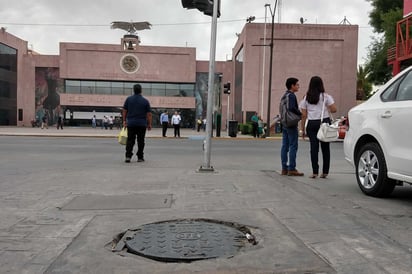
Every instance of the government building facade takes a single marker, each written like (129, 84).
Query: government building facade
(87, 79)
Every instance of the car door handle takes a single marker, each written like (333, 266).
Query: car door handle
(386, 114)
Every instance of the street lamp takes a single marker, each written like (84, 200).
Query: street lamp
(272, 13)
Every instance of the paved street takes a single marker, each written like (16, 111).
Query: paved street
(64, 199)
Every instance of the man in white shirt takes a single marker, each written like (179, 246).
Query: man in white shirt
(176, 119)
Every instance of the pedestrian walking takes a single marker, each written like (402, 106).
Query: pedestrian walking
(311, 106)
(137, 117)
(164, 120)
(176, 119)
(59, 122)
(290, 134)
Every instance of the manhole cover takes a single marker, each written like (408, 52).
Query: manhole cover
(187, 240)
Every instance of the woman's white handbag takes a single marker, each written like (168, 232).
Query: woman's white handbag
(328, 132)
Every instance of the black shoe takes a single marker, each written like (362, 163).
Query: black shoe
(127, 160)
(140, 160)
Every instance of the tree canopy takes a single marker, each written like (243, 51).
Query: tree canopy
(363, 85)
(383, 18)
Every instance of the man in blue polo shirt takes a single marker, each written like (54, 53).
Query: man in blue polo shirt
(137, 116)
(164, 120)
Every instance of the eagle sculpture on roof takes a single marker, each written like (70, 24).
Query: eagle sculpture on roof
(130, 27)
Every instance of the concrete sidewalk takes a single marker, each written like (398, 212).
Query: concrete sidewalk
(102, 133)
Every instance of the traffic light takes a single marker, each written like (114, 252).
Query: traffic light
(206, 6)
(226, 88)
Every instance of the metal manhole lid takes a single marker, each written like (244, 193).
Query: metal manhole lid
(186, 240)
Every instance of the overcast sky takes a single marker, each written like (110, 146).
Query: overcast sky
(45, 23)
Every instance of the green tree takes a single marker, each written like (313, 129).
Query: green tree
(380, 7)
(383, 18)
(363, 85)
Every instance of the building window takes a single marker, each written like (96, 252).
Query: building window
(126, 88)
(103, 88)
(8, 85)
(189, 89)
(72, 86)
(172, 89)
(158, 89)
(4, 89)
(87, 87)
(118, 88)
(146, 89)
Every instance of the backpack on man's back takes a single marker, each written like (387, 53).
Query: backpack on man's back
(287, 118)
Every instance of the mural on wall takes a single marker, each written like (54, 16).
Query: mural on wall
(202, 79)
(47, 98)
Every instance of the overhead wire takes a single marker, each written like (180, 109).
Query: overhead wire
(106, 25)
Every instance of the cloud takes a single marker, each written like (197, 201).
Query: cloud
(45, 23)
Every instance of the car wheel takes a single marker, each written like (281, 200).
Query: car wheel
(371, 171)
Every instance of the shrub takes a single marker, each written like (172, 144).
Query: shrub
(246, 128)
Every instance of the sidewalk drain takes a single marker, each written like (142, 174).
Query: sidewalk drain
(185, 240)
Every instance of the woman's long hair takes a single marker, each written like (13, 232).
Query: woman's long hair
(314, 90)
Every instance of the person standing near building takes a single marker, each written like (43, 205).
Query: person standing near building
(176, 119)
(199, 123)
(164, 120)
(44, 122)
(261, 130)
(111, 122)
(137, 117)
(59, 122)
(290, 135)
(312, 106)
(255, 125)
(105, 122)
(94, 121)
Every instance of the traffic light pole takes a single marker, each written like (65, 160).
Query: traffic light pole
(206, 167)
(267, 133)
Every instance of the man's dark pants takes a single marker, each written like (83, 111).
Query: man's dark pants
(132, 134)
(164, 128)
(177, 130)
(255, 129)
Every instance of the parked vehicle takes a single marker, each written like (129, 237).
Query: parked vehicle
(377, 141)
(343, 126)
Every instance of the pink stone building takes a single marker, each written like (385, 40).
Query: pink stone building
(299, 50)
(94, 79)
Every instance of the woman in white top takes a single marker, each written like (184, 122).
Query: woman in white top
(311, 107)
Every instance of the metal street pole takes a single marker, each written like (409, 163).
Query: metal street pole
(228, 113)
(262, 93)
(210, 93)
(270, 71)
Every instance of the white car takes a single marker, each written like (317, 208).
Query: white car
(378, 141)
